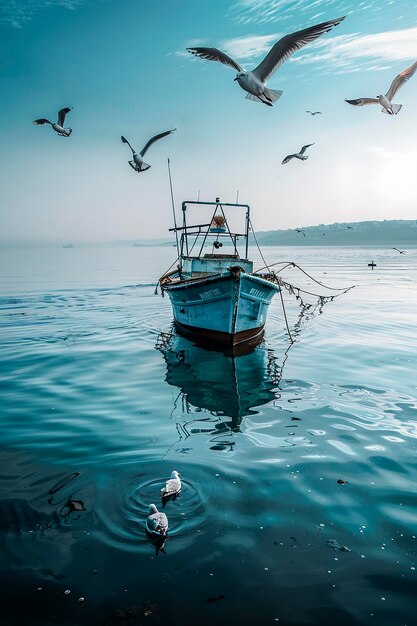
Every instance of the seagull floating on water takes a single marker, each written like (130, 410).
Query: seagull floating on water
(58, 126)
(157, 522)
(254, 82)
(297, 155)
(314, 112)
(173, 485)
(137, 161)
(386, 101)
(400, 251)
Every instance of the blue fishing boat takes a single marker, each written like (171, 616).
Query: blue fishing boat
(216, 297)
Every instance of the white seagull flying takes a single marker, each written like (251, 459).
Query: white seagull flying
(298, 155)
(58, 126)
(137, 161)
(313, 113)
(157, 522)
(254, 82)
(386, 101)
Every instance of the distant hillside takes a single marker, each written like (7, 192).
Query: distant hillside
(387, 232)
(374, 233)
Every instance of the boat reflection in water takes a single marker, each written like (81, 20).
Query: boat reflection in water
(228, 386)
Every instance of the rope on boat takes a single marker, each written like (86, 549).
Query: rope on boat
(292, 264)
(293, 290)
(280, 291)
(285, 317)
(257, 245)
(273, 277)
(166, 272)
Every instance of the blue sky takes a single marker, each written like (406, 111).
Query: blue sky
(123, 68)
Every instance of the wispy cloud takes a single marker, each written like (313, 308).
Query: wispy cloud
(267, 11)
(240, 48)
(249, 47)
(345, 51)
(191, 43)
(271, 11)
(341, 54)
(17, 13)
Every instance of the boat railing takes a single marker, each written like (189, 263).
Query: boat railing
(200, 232)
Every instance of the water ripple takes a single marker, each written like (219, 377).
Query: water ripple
(287, 454)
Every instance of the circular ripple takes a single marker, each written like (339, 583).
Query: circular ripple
(122, 511)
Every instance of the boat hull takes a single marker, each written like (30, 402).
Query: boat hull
(225, 309)
(207, 336)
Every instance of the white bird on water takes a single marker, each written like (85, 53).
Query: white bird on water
(58, 126)
(254, 82)
(157, 522)
(386, 101)
(172, 486)
(137, 161)
(298, 155)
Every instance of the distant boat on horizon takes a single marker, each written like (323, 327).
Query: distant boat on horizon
(68, 245)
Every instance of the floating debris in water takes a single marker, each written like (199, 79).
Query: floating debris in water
(67, 591)
(340, 481)
(132, 615)
(70, 506)
(336, 546)
(215, 598)
(62, 483)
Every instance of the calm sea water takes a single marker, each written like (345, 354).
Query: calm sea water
(101, 401)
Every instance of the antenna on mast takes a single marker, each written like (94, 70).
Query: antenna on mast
(237, 196)
(198, 199)
(173, 208)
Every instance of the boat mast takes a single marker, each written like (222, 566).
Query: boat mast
(247, 230)
(173, 208)
(184, 236)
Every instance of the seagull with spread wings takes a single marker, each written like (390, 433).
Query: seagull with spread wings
(400, 251)
(313, 113)
(298, 155)
(254, 82)
(137, 161)
(58, 126)
(386, 101)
